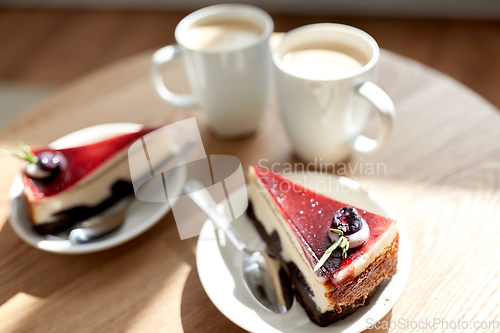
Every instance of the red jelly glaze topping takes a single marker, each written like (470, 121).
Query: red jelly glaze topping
(81, 162)
(310, 215)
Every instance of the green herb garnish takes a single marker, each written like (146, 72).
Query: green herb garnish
(343, 242)
(25, 154)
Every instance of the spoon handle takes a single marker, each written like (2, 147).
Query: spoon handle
(200, 195)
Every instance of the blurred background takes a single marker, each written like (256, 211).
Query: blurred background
(45, 44)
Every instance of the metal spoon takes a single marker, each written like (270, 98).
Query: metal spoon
(259, 270)
(102, 224)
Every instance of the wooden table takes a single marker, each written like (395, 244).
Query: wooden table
(440, 172)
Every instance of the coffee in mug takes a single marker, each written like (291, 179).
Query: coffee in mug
(225, 49)
(324, 61)
(222, 36)
(324, 77)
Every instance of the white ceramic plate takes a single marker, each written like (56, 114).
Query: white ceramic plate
(219, 268)
(140, 215)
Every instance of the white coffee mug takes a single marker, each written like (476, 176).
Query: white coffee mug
(325, 117)
(229, 82)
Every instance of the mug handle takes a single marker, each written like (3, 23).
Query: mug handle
(385, 107)
(161, 57)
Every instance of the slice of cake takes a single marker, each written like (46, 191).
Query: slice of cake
(336, 255)
(65, 186)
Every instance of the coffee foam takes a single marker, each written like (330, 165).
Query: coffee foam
(324, 61)
(220, 36)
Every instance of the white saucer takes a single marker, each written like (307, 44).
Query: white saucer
(140, 215)
(219, 268)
